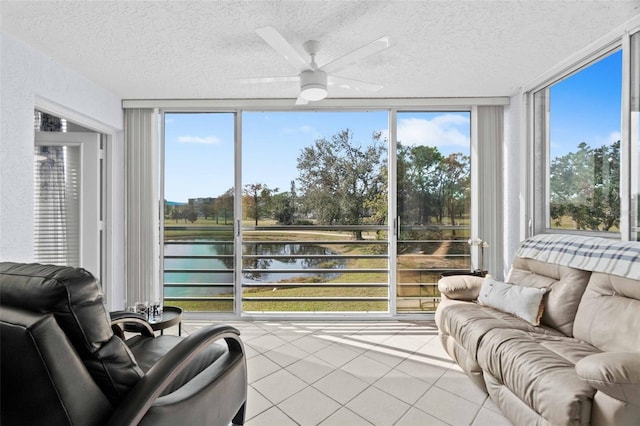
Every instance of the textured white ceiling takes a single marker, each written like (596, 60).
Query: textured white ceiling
(195, 49)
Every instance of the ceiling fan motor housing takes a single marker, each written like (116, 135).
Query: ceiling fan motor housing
(313, 85)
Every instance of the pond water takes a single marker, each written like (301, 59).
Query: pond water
(193, 270)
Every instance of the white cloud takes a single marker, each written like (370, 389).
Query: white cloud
(208, 140)
(596, 141)
(614, 136)
(442, 130)
(304, 129)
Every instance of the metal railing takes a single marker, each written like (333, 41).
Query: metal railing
(304, 268)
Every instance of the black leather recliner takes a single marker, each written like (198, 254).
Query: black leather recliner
(61, 363)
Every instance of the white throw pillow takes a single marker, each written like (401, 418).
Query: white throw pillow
(523, 302)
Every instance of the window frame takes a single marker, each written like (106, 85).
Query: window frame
(538, 135)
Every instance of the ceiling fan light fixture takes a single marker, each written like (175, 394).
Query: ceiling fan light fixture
(313, 85)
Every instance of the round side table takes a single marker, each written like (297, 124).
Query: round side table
(171, 315)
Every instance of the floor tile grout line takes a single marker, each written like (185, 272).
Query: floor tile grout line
(368, 386)
(266, 409)
(333, 334)
(450, 393)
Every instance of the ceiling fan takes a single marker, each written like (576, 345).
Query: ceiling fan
(313, 78)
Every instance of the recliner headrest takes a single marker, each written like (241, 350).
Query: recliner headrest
(75, 298)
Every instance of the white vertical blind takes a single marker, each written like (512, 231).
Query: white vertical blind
(490, 185)
(634, 133)
(57, 205)
(142, 223)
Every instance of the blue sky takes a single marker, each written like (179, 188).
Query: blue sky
(199, 158)
(199, 147)
(586, 107)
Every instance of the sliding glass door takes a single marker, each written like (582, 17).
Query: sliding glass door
(199, 211)
(314, 219)
(289, 211)
(433, 202)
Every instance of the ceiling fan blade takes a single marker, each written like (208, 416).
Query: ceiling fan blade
(259, 80)
(349, 83)
(361, 53)
(301, 101)
(283, 47)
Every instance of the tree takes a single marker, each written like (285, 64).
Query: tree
(168, 209)
(192, 216)
(257, 198)
(419, 177)
(176, 213)
(455, 184)
(209, 209)
(224, 205)
(284, 206)
(585, 185)
(340, 178)
(432, 188)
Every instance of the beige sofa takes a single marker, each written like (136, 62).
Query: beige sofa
(581, 364)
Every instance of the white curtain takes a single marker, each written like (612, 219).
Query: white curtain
(142, 198)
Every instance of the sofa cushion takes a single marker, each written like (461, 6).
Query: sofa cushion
(540, 370)
(609, 313)
(567, 285)
(523, 302)
(468, 322)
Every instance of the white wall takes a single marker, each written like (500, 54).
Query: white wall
(28, 78)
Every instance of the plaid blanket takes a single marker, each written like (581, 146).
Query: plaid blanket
(620, 258)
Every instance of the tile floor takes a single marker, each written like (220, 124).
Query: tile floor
(351, 373)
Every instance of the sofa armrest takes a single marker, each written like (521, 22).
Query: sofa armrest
(158, 378)
(615, 373)
(460, 287)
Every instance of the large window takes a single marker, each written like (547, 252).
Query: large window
(297, 213)
(584, 148)
(434, 203)
(314, 212)
(199, 173)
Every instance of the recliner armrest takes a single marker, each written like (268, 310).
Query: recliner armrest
(615, 373)
(460, 287)
(151, 386)
(137, 321)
